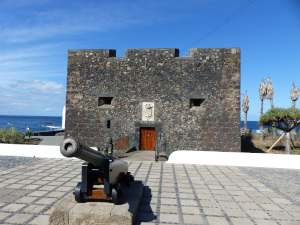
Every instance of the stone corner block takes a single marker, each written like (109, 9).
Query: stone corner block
(61, 210)
(68, 211)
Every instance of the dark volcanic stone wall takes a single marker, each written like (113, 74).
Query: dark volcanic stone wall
(170, 82)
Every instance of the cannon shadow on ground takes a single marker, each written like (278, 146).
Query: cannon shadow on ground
(145, 210)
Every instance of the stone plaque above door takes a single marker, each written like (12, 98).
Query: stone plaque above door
(148, 111)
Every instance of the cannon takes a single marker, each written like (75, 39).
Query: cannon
(103, 176)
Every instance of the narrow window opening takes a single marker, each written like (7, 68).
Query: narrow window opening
(108, 124)
(196, 102)
(104, 101)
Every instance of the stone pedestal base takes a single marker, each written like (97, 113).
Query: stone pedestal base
(162, 156)
(68, 211)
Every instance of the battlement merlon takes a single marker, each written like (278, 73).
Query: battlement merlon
(80, 56)
(196, 52)
(102, 53)
(152, 53)
(230, 56)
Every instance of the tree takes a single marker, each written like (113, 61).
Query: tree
(283, 119)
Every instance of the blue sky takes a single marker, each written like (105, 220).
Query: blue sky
(36, 36)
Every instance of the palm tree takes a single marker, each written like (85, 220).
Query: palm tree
(294, 95)
(270, 92)
(262, 95)
(245, 107)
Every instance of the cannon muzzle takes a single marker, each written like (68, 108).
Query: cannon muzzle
(70, 147)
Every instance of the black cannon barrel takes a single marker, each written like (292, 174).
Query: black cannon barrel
(70, 147)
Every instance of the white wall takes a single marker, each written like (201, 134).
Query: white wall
(42, 151)
(236, 159)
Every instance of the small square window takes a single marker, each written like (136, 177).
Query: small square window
(108, 124)
(104, 101)
(196, 102)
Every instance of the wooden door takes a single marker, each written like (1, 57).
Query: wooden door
(147, 138)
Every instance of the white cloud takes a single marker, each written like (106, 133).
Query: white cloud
(36, 62)
(33, 102)
(48, 24)
(38, 86)
(44, 23)
(34, 51)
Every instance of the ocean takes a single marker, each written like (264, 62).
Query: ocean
(253, 125)
(47, 123)
(35, 123)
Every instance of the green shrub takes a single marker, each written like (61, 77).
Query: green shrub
(12, 136)
(2, 134)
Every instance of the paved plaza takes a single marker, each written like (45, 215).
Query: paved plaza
(174, 193)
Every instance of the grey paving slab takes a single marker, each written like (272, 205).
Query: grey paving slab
(22, 200)
(200, 194)
(7, 162)
(174, 194)
(283, 182)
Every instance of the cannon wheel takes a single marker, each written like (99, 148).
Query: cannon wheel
(120, 191)
(77, 192)
(129, 178)
(116, 193)
(114, 196)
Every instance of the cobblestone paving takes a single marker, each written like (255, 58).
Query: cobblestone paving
(13, 161)
(174, 194)
(284, 181)
(29, 187)
(197, 194)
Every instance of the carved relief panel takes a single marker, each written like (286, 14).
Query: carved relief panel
(148, 111)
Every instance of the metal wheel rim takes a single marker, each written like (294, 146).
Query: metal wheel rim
(77, 192)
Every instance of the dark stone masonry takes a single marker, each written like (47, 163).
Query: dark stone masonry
(192, 102)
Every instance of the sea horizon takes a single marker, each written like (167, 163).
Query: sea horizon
(47, 123)
(31, 115)
(61, 116)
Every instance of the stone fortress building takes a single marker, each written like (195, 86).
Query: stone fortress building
(192, 102)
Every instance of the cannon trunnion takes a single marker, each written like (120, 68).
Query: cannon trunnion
(102, 175)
